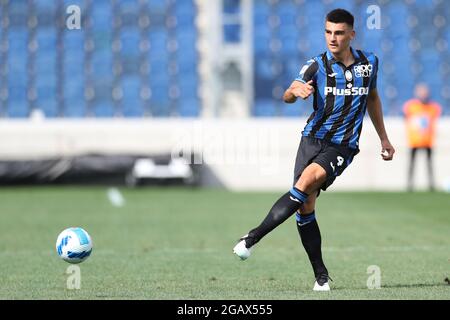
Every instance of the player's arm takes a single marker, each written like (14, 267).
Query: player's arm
(298, 89)
(376, 115)
(303, 85)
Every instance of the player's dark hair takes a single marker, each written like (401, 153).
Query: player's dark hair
(340, 16)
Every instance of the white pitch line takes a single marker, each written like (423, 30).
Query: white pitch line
(115, 197)
(385, 249)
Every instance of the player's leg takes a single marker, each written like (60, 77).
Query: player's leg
(329, 164)
(312, 177)
(284, 207)
(310, 236)
(430, 169)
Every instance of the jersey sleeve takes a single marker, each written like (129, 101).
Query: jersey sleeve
(373, 83)
(308, 71)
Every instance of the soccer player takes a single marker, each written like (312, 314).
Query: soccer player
(343, 83)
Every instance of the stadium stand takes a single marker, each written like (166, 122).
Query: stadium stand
(136, 58)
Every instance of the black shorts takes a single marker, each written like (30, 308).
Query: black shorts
(332, 157)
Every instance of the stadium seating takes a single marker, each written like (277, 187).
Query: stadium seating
(127, 45)
(150, 46)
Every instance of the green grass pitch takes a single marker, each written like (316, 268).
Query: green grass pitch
(174, 243)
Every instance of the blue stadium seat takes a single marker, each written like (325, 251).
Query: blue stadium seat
(159, 78)
(18, 103)
(101, 15)
(157, 5)
(46, 38)
(158, 40)
(103, 109)
(73, 73)
(188, 107)
(292, 67)
(160, 92)
(291, 110)
(263, 88)
(315, 10)
(46, 100)
(47, 76)
(347, 5)
(102, 63)
(231, 7)
(185, 21)
(260, 19)
(73, 42)
(288, 13)
(160, 108)
(79, 3)
(187, 44)
(186, 7)
(261, 43)
(264, 108)
(18, 40)
(75, 106)
(131, 101)
(18, 75)
(265, 67)
(289, 45)
(188, 90)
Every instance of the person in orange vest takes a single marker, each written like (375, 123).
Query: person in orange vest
(421, 115)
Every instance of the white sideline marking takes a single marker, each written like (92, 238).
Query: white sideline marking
(115, 197)
(385, 249)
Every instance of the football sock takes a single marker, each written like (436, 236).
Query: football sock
(309, 232)
(281, 210)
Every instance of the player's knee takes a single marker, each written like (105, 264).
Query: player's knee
(307, 207)
(319, 173)
(311, 178)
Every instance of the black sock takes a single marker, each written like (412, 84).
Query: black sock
(309, 232)
(281, 210)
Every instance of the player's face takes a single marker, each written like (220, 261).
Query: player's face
(338, 36)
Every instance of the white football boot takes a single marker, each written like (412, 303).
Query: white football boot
(241, 250)
(321, 283)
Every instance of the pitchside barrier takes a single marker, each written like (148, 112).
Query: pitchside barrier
(239, 154)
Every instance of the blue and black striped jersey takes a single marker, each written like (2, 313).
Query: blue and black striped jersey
(340, 96)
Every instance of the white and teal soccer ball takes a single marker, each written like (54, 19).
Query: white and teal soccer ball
(74, 245)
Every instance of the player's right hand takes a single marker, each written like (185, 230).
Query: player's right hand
(303, 90)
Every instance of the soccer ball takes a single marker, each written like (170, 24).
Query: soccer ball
(74, 245)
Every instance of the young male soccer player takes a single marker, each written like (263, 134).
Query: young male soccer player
(343, 82)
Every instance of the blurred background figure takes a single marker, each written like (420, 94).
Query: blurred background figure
(421, 115)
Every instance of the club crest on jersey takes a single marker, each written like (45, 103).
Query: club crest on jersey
(363, 70)
(348, 75)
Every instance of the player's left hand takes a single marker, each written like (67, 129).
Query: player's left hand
(387, 150)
